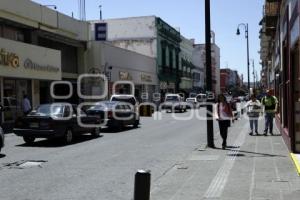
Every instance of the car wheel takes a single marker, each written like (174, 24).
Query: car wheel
(136, 123)
(28, 139)
(96, 132)
(68, 138)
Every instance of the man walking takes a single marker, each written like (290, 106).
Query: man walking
(26, 105)
(253, 111)
(270, 103)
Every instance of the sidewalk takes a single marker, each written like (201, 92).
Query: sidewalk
(253, 168)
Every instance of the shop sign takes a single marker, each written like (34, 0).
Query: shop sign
(125, 76)
(9, 59)
(100, 31)
(29, 64)
(146, 78)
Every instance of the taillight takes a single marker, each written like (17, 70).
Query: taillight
(109, 114)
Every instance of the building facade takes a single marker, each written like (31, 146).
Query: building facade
(281, 68)
(215, 64)
(187, 69)
(199, 70)
(123, 65)
(37, 46)
(153, 37)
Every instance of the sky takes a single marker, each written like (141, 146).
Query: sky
(189, 16)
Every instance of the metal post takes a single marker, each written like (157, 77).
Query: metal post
(254, 86)
(100, 7)
(210, 123)
(248, 63)
(142, 185)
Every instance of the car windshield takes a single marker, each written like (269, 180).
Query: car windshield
(172, 98)
(191, 100)
(130, 100)
(48, 110)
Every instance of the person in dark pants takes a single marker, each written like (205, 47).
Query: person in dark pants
(270, 104)
(26, 105)
(224, 116)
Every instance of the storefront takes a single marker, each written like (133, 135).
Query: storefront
(22, 68)
(285, 76)
(144, 83)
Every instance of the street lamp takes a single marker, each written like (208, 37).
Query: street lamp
(247, 38)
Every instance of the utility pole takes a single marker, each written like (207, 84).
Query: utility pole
(100, 7)
(254, 83)
(209, 111)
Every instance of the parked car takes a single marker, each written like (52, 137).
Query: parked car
(58, 120)
(201, 99)
(124, 98)
(115, 114)
(174, 102)
(1, 132)
(210, 97)
(191, 103)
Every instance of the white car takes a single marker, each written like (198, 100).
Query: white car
(129, 99)
(191, 103)
(174, 102)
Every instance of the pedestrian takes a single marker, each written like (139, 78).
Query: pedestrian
(26, 105)
(253, 111)
(270, 107)
(224, 116)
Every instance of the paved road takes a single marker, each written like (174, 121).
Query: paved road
(101, 168)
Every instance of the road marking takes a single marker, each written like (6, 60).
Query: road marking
(253, 173)
(276, 168)
(218, 184)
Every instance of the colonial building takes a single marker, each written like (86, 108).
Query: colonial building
(215, 56)
(281, 68)
(152, 37)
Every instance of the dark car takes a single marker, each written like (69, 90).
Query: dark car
(57, 120)
(115, 114)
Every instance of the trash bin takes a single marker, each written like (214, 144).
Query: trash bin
(146, 110)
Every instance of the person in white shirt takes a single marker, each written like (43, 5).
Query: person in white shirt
(253, 111)
(26, 105)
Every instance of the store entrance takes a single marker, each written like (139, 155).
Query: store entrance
(13, 92)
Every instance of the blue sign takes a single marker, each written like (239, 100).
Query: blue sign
(100, 31)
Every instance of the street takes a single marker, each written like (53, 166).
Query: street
(101, 168)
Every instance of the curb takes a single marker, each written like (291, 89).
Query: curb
(296, 162)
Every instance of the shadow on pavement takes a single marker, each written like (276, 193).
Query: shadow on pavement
(115, 130)
(49, 143)
(242, 153)
(2, 155)
(257, 154)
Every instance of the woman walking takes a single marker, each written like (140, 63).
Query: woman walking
(224, 116)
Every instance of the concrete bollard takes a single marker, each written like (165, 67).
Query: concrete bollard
(142, 185)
